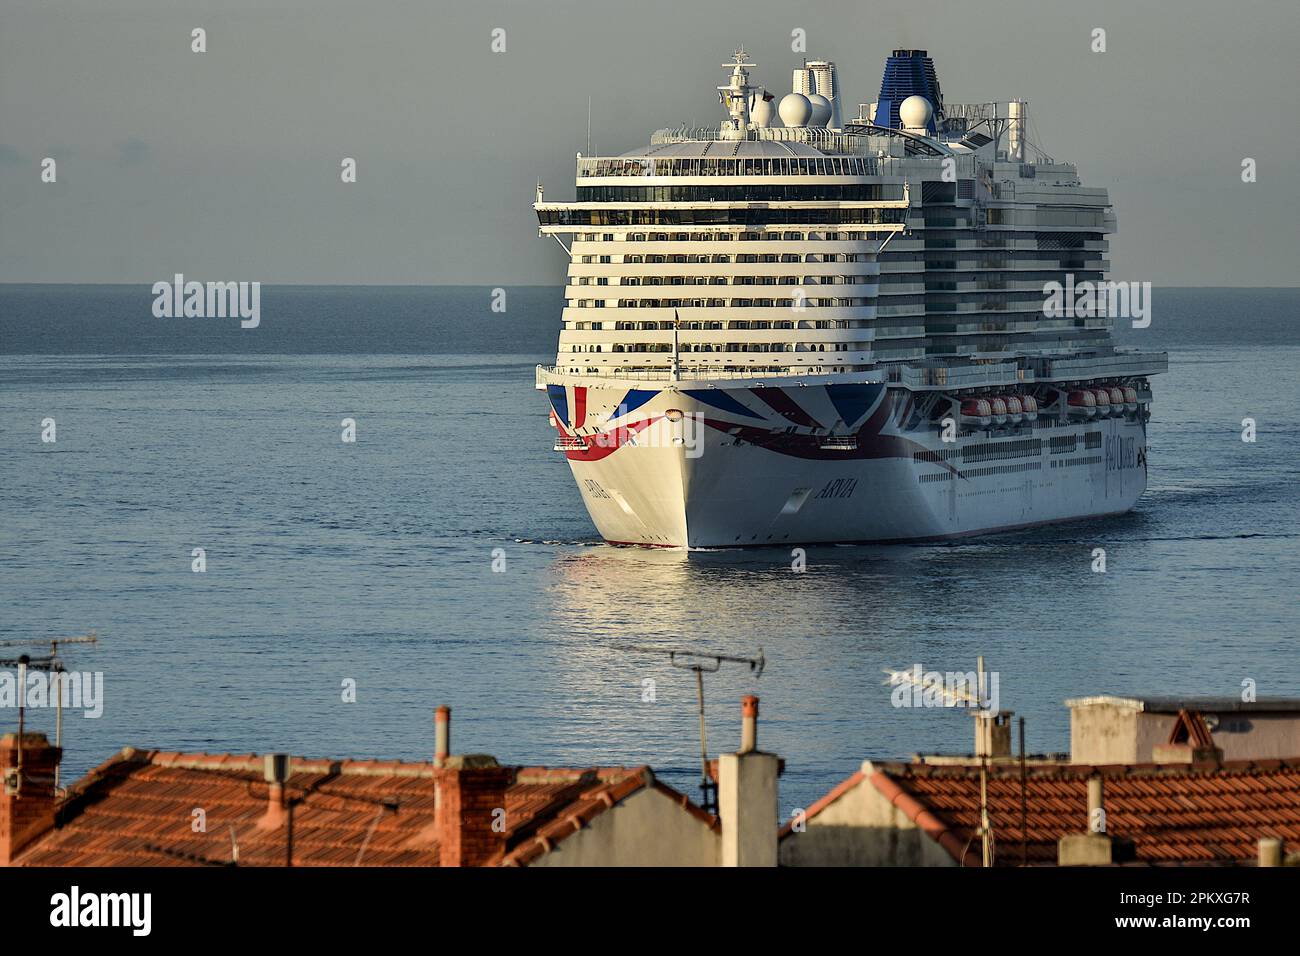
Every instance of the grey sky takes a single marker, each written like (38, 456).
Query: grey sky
(225, 165)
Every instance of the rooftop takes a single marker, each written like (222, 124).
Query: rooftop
(1174, 815)
(138, 809)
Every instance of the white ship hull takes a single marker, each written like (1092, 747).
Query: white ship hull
(766, 327)
(752, 467)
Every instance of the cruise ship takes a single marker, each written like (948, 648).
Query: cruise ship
(805, 326)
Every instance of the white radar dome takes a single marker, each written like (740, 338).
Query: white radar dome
(821, 109)
(762, 112)
(795, 110)
(915, 112)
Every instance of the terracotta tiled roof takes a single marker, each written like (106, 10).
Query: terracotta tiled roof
(1173, 814)
(137, 809)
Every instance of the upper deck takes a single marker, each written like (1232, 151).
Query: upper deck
(807, 248)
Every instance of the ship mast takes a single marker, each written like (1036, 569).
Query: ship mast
(735, 96)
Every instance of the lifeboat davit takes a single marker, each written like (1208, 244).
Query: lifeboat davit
(999, 410)
(976, 411)
(1102, 397)
(1130, 399)
(1082, 403)
(1029, 405)
(1015, 410)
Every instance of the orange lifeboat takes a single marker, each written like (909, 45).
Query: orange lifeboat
(1015, 410)
(1130, 399)
(999, 410)
(1116, 400)
(1030, 406)
(1082, 403)
(976, 411)
(1103, 401)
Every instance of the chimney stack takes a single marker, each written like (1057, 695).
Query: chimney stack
(993, 734)
(1095, 846)
(441, 735)
(1096, 804)
(747, 799)
(469, 801)
(275, 771)
(470, 809)
(28, 799)
(1270, 851)
(748, 724)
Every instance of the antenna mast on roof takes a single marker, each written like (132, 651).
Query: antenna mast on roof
(53, 665)
(701, 664)
(986, 826)
(1024, 800)
(958, 694)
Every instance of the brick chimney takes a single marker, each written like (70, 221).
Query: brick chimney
(747, 797)
(28, 799)
(469, 801)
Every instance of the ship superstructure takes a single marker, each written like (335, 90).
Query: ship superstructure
(786, 330)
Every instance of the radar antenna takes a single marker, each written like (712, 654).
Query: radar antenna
(735, 95)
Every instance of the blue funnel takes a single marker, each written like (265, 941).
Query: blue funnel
(908, 73)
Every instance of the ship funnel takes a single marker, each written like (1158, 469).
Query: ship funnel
(909, 73)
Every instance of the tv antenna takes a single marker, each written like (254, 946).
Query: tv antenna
(701, 663)
(986, 823)
(52, 664)
(952, 696)
(959, 694)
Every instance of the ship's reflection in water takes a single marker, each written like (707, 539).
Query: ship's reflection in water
(1029, 602)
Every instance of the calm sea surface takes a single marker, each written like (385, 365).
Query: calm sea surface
(373, 561)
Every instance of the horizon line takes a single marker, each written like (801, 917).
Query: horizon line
(485, 285)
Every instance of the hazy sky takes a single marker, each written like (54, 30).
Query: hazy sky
(224, 165)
